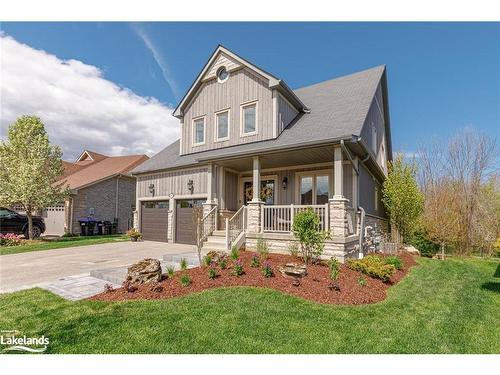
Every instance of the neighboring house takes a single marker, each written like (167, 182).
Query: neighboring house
(325, 146)
(101, 187)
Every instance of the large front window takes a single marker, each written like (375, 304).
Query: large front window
(314, 189)
(249, 114)
(199, 131)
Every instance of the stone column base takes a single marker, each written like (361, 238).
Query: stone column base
(339, 226)
(254, 219)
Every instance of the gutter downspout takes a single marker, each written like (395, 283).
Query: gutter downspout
(116, 195)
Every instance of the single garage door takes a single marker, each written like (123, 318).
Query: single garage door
(54, 217)
(154, 220)
(185, 229)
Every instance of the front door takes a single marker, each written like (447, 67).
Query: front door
(267, 191)
(185, 228)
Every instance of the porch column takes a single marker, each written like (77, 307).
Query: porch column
(222, 188)
(338, 204)
(254, 208)
(210, 183)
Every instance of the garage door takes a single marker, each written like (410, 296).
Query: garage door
(154, 220)
(54, 217)
(185, 229)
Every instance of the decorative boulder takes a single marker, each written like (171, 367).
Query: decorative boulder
(145, 271)
(412, 250)
(294, 270)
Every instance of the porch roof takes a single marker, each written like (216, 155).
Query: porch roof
(338, 109)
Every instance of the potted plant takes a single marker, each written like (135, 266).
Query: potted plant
(134, 234)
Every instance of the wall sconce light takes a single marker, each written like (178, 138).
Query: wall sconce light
(152, 189)
(284, 183)
(190, 186)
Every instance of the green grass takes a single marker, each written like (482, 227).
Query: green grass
(447, 306)
(60, 243)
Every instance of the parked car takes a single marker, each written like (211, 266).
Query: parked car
(14, 222)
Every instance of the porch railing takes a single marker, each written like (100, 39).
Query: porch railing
(208, 223)
(280, 218)
(235, 226)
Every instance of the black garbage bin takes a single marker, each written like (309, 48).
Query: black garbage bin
(107, 227)
(100, 227)
(91, 229)
(83, 227)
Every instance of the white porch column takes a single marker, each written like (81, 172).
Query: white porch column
(210, 183)
(256, 180)
(338, 204)
(222, 188)
(338, 170)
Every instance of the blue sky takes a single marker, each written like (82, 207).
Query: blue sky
(442, 76)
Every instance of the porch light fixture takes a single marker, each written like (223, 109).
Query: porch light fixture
(284, 183)
(190, 186)
(152, 189)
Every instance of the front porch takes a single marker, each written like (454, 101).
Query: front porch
(238, 214)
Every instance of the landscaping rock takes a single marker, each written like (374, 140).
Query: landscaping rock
(410, 249)
(294, 270)
(145, 271)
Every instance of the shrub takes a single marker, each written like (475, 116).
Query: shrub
(262, 248)
(334, 265)
(362, 281)
(372, 266)
(223, 263)
(185, 280)
(212, 273)
(238, 268)
(170, 272)
(184, 264)
(267, 271)
(293, 249)
(422, 242)
(395, 261)
(108, 288)
(306, 228)
(255, 261)
(207, 260)
(134, 233)
(235, 253)
(11, 239)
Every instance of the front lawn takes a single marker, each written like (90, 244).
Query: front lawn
(59, 243)
(447, 306)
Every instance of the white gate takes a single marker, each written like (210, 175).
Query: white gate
(54, 217)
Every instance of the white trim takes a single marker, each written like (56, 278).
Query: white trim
(242, 180)
(216, 121)
(275, 113)
(204, 117)
(313, 174)
(242, 118)
(175, 197)
(294, 167)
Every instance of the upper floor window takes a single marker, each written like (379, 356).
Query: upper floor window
(222, 125)
(222, 75)
(199, 131)
(249, 119)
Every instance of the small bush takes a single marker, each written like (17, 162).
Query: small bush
(184, 264)
(267, 270)
(134, 233)
(307, 230)
(11, 239)
(223, 263)
(255, 261)
(420, 240)
(108, 288)
(207, 260)
(262, 248)
(185, 280)
(334, 265)
(373, 266)
(395, 261)
(238, 268)
(362, 281)
(235, 253)
(212, 273)
(170, 272)
(293, 249)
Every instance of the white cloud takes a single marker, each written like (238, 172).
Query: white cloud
(80, 108)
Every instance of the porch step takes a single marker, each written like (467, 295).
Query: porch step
(219, 233)
(192, 260)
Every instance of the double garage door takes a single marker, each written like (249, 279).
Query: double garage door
(154, 221)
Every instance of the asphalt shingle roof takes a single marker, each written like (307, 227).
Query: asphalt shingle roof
(338, 109)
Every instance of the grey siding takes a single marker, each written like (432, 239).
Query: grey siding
(174, 182)
(242, 86)
(231, 191)
(367, 193)
(286, 114)
(102, 198)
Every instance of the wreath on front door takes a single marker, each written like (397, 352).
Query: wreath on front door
(265, 193)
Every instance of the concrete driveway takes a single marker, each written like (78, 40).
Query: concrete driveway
(21, 271)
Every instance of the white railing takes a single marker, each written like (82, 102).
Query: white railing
(235, 226)
(280, 218)
(208, 223)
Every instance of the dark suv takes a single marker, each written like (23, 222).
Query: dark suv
(13, 222)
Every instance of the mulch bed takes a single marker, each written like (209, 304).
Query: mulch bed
(313, 287)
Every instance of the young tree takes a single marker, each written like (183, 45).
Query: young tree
(402, 197)
(306, 228)
(29, 168)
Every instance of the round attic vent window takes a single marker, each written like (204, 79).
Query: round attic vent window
(223, 75)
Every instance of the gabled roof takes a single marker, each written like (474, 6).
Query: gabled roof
(88, 155)
(77, 175)
(274, 83)
(338, 109)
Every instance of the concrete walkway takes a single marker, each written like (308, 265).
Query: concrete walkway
(42, 268)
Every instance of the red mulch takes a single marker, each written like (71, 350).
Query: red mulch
(313, 287)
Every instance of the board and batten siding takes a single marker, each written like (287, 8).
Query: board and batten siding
(286, 113)
(222, 61)
(174, 182)
(241, 87)
(367, 187)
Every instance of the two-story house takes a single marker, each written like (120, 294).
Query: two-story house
(325, 146)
